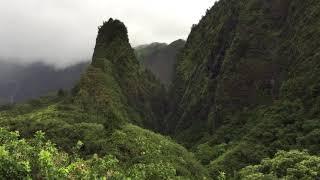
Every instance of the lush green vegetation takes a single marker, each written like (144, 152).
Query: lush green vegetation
(245, 102)
(247, 83)
(115, 84)
(95, 127)
(38, 158)
(285, 165)
(135, 152)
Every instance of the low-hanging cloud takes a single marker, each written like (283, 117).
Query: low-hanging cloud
(62, 32)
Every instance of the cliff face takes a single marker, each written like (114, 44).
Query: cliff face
(160, 59)
(246, 62)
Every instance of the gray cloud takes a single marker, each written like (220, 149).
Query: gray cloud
(62, 32)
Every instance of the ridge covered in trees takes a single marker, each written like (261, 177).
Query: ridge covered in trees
(244, 102)
(247, 83)
(101, 115)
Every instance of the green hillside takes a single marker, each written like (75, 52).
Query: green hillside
(244, 104)
(247, 83)
(101, 114)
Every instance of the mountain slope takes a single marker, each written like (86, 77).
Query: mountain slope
(245, 99)
(102, 114)
(247, 80)
(160, 59)
(116, 85)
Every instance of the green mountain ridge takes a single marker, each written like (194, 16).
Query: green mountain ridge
(160, 59)
(116, 80)
(244, 101)
(247, 83)
(98, 116)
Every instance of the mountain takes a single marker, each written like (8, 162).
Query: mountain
(19, 83)
(98, 127)
(244, 104)
(116, 83)
(247, 83)
(160, 58)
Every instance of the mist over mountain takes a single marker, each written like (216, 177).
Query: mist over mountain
(160, 58)
(105, 114)
(20, 82)
(243, 104)
(60, 32)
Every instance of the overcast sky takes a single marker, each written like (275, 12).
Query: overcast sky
(63, 32)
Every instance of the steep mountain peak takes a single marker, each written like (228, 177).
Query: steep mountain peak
(115, 85)
(112, 29)
(112, 44)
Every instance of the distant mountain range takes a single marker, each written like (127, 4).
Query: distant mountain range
(22, 82)
(244, 103)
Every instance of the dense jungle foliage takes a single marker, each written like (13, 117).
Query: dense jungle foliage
(244, 104)
(247, 83)
(102, 114)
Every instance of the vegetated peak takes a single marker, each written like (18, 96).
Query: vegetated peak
(111, 30)
(179, 42)
(112, 44)
(115, 85)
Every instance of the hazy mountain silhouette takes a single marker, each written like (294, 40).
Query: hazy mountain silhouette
(22, 82)
(160, 58)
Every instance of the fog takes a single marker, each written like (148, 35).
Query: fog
(63, 32)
